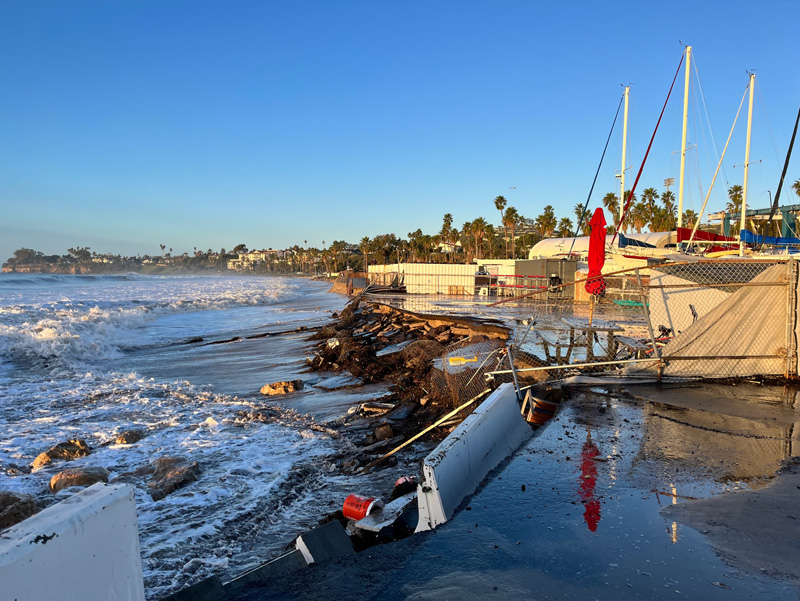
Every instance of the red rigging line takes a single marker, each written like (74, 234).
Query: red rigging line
(638, 175)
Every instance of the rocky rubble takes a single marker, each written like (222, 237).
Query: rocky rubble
(81, 476)
(129, 437)
(379, 343)
(72, 449)
(15, 507)
(169, 474)
(282, 387)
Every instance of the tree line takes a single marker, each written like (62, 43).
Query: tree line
(474, 240)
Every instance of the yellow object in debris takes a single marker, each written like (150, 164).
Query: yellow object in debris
(462, 360)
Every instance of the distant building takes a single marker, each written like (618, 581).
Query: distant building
(250, 260)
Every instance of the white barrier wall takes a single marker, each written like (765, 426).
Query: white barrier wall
(455, 468)
(85, 548)
(431, 278)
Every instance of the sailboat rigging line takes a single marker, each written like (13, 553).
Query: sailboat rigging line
(769, 125)
(696, 155)
(783, 173)
(712, 134)
(647, 152)
(713, 179)
(586, 205)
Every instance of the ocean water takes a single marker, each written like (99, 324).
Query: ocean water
(92, 356)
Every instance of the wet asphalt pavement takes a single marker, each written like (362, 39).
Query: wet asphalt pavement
(573, 515)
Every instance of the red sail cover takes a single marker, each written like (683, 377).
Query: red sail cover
(597, 253)
(684, 233)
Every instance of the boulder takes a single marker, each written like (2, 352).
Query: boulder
(129, 437)
(72, 449)
(15, 507)
(170, 474)
(282, 387)
(80, 476)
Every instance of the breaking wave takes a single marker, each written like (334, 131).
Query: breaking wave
(65, 322)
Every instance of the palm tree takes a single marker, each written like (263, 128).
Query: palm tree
(479, 231)
(489, 231)
(365, 249)
(565, 227)
(580, 218)
(649, 197)
(611, 203)
(689, 217)
(796, 186)
(547, 222)
(734, 204)
(447, 232)
(639, 215)
(500, 203)
(510, 221)
(466, 234)
(629, 197)
(668, 200)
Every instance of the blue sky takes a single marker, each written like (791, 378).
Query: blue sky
(126, 124)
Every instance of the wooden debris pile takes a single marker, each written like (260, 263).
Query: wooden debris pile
(380, 343)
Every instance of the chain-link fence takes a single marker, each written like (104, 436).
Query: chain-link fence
(712, 319)
(460, 373)
(728, 318)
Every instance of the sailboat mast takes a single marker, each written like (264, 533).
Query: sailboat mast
(742, 222)
(683, 135)
(624, 147)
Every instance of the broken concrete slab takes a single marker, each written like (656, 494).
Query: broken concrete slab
(325, 542)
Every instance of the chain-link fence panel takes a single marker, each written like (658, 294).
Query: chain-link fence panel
(460, 373)
(720, 319)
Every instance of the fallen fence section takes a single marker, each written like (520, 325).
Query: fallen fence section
(455, 468)
(85, 547)
(729, 318)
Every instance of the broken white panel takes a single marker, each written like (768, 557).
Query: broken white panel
(455, 468)
(386, 516)
(85, 547)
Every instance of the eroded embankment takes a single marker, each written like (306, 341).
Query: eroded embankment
(377, 343)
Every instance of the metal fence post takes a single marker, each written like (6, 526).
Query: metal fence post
(791, 318)
(643, 299)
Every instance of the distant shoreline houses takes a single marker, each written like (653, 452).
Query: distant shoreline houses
(249, 261)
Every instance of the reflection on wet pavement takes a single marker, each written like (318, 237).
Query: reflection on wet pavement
(588, 482)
